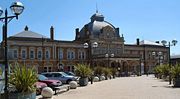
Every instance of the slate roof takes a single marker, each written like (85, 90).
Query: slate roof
(28, 34)
(146, 42)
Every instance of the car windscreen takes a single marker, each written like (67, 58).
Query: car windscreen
(42, 77)
(64, 74)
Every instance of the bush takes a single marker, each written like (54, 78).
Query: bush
(82, 71)
(98, 71)
(23, 79)
(106, 71)
(176, 71)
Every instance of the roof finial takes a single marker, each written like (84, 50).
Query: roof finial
(96, 8)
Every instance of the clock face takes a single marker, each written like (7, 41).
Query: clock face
(108, 34)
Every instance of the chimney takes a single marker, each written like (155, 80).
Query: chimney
(117, 30)
(26, 28)
(4, 35)
(52, 33)
(86, 30)
(77, 34)
(137, 41)
(157, 42)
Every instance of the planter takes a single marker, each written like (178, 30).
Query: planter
(83, 81)
(106, 77)
(22, 95)
(176, 82)
(100, 78)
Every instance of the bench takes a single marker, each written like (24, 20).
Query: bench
(67, 87)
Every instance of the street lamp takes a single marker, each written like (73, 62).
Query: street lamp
(16, 8)
(174, 42)
(95, 45)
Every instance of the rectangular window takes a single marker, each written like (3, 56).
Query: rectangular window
(79, 55)
(83, 55)
(47, 54)
(60, 55)
(39, 54)
(45, 69)
(32, 54)
(69, 55)
(15, 54)
(23, 54)
(72, 55)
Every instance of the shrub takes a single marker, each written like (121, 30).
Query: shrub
(176, 71)
(98, 71)
(106, 71)
(23, 79)
(82, 71)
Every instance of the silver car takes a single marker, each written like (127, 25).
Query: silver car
(63, 77)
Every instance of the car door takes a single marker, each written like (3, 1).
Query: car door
(58, 76)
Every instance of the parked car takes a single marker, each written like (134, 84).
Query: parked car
(39, 87)
(63, 77)
(50, 82)
(70, 73)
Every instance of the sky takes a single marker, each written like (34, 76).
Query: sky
(153, 20)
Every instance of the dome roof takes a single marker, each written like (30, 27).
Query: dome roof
(96, 25)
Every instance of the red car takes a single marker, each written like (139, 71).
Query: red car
(50, 82)
(39, 87)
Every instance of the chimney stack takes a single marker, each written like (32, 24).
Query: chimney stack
(157, 42)
(26, 28)
(117, 29)
(86, 31)
(52, 33)
(137, 41)
(77, 34)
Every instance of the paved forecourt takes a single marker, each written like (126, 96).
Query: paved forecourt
(142, 87)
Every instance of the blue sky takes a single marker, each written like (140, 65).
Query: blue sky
(146, 19)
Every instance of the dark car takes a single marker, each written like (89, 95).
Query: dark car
(50, 82)
(39, 87)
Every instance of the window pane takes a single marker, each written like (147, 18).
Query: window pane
(45, 69)
(47, 54)
(15, 53)
(49, 69)
(23, 54)
(39, 55)
(79, 55)
(69, 55)
(60, 55)
(72, 55)
(83, 56)
(31, 54)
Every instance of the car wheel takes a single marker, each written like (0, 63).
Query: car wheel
(68, 81)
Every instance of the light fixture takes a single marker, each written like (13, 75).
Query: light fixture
(1, 11)
(17, 8)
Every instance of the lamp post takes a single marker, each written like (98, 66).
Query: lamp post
(95, 45)
(107, 56)
(16, 8)
(174, 42)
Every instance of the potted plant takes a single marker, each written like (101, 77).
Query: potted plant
(22, 81)
(107, 73)
(83, 71)
(98, 71)
(176, 75)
